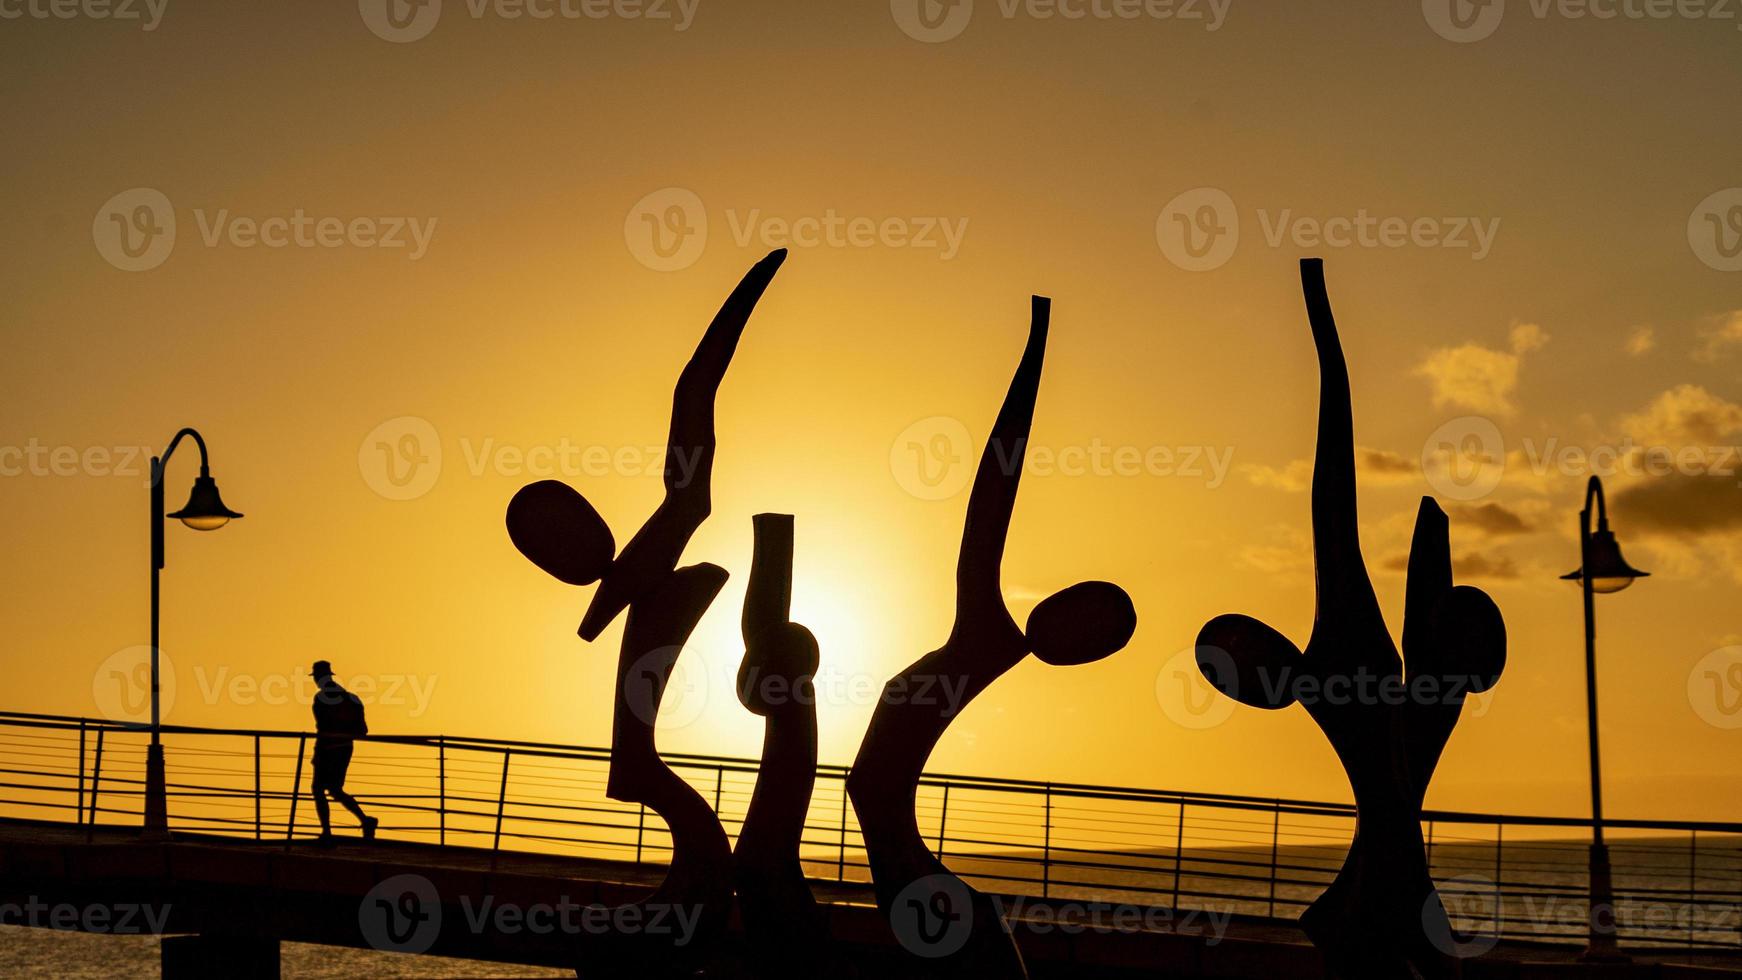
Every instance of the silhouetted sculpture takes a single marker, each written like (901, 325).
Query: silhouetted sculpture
(784, 925)
(1378, 918)
(923, 899)
(559, 531)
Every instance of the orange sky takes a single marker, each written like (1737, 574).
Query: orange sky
(1534, 229)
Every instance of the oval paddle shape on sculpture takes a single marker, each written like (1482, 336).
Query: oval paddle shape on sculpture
(1248, 661)
(1470, 639)
(559, 531)
(1081, 624)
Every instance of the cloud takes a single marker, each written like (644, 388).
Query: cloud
(1720, 334)
(1386, 465)
(1683, 504)
(1472, 565)
(1480, 378)
(1375, 466)
(1640, 341)
(1687, 415)
(1689, 513)
(1493, 519)
(1292, 551)
(1705, 557)
(1476, 565)
(1295, 477)
(1527, 337)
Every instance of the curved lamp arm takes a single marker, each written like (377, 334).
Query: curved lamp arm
(163, 461)
(1594, 489)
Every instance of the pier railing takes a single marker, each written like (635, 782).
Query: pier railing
(1677, 883)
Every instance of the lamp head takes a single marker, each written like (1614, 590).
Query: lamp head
(205, 510)
(1608, 570)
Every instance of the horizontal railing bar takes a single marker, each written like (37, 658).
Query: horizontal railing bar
(959, 783)
(1021, 836)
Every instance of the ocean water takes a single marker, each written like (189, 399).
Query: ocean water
(32, 953)
(1668, 893)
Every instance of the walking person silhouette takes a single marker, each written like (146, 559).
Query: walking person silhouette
(338, 723)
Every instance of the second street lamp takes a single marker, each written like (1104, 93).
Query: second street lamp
(205, 511)
(1601, 570)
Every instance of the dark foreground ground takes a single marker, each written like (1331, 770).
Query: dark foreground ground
(271, 896)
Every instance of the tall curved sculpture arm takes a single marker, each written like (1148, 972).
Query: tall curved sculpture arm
(1344, 592)
(993, 498)
(1430, 578)
(689, 453)
(1342, 573)
(660, 623)
(1454, 645)
(768, 597)
(698, 879)
(780, 915)
(689, 459)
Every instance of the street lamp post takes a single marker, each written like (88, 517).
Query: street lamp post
(205, 511)
(1601, 570)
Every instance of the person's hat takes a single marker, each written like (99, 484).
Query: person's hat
(321, 669)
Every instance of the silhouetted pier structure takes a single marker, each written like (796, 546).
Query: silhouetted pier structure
(523, 823)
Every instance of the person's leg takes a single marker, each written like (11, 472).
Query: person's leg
(319, 787)
(349, 802)
(336, 778)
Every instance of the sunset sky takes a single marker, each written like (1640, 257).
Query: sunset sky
(485, 244)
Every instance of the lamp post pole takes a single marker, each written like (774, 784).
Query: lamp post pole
(205, 511)
(1600, 561)
(1602, 938)
(156, 784)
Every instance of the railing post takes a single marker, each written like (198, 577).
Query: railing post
(442, 790)
(1693, 882)
(96, 778)
(1275, 835)
(80, 812)
(1046, 848)
(295, 790)
(1499, 893)
(256, 787)
(841, 865)
(1430, 848)
(1179, 841)
(719, 784)
(501, 802)
(640, 831)
(943, 815)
